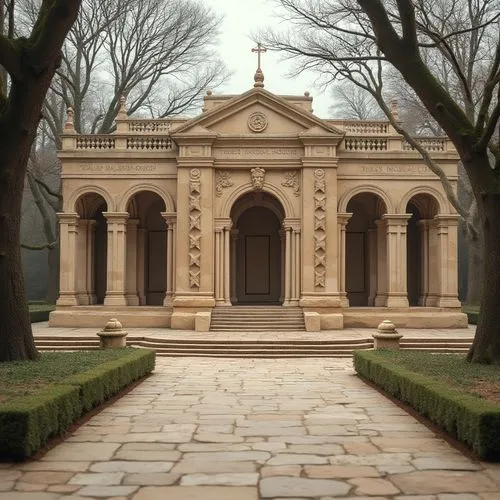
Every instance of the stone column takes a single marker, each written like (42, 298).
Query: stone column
(234, 241)
(296, 294)
(423, 226)
(288, 260)
(432, 297)
(170, 219)
(82, 262)
(68, 231)
(218, 278)
(381, 295)
(227, 264)
(141, 263)
(282, 233)
(372, 265)
(132, 297)
(396, 225)
(117, 253)
(447, 260)
(342, 220)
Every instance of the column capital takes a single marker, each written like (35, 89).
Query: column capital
(343, 218)
(396, 219)
(170, 218)
(292, 223)
(223, 224)
(447, 219)
(69, 218)
(116, 217)
(133, 222)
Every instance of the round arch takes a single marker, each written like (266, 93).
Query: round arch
(366, 188)
(70, 205)
(242, 204)
(240, 191)
(165, 195)
(427, 190)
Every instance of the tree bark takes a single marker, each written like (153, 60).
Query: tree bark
(486, 345)
(474, 270)
(16, 338)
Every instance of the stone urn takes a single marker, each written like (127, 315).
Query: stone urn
(113, 335)
(387, 337)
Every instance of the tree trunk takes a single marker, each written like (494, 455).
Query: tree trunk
(16, 338)
(486, 345)
(474, 271)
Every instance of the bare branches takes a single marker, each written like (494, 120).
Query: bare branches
(10, 57)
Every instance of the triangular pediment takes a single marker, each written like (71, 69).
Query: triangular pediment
(258, 113)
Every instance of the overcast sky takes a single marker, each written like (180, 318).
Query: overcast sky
(242, 17)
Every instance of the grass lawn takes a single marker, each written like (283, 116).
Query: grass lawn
(22, 378)
(41, 307)
(454, 370)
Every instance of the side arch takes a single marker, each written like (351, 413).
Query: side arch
(365, 188)
(69, 205)
(165, 195)
(247, 188)
(442, 202)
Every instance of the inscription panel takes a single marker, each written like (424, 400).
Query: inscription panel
(256, 153)
(119, 169)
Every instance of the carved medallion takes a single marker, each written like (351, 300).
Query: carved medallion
(319, 228)
(257, 174)
(222, 180)
(292, 180)
(257, 122)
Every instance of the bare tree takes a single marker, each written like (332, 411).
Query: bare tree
(30, 62)
(352, 102)
(360, 41)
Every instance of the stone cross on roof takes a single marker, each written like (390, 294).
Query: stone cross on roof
(259, 75)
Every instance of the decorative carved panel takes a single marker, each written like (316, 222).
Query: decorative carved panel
(258, 176)
(222, 180)
(194, 227)
(319, 228)
(257, 122)
(292, 180)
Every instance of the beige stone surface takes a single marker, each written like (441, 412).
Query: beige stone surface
(364, 459)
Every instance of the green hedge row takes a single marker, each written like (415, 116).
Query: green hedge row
(471, 420)
(26, 423)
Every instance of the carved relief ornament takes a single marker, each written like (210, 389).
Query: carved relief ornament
(319, 228)
(194, 227)
(257, 122)
(222, 181)
(292, 180)
(257, 175)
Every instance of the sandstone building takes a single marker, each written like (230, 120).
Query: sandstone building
(256, 201)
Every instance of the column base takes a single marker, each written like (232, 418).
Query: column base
(132, 300)
(344, 301)
(83, 299)
(451, 301)
(168, 301)
(319, 300)
(115, 299)
(431, 300)
(380, 301)
(67, 299)
(397, 301)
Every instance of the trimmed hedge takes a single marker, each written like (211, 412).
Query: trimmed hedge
(27, 422)
(471, 420)
(40, 311)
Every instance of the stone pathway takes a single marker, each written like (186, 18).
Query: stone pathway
(223, 429)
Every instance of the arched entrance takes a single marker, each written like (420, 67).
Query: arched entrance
(362, 268)
(421, 250)
(91, 263)
(146, 250)
(258, 250)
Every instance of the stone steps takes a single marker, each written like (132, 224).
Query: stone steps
(241, 348)
(257, 318)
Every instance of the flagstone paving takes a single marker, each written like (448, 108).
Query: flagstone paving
(225, 429)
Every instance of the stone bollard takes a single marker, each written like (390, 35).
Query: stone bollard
(387, 337)
(113, 335)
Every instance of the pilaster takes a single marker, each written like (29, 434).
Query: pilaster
(117, 252)
(68, 232)
(171, 221)
(342, 220)
(132, 244)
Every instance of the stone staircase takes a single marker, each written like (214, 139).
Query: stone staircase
(257, 319)
(238, 347)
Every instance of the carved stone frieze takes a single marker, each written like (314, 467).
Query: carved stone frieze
(194, 227)
(222, 181)
(292, 180)
(257, 175)
(319, 228)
